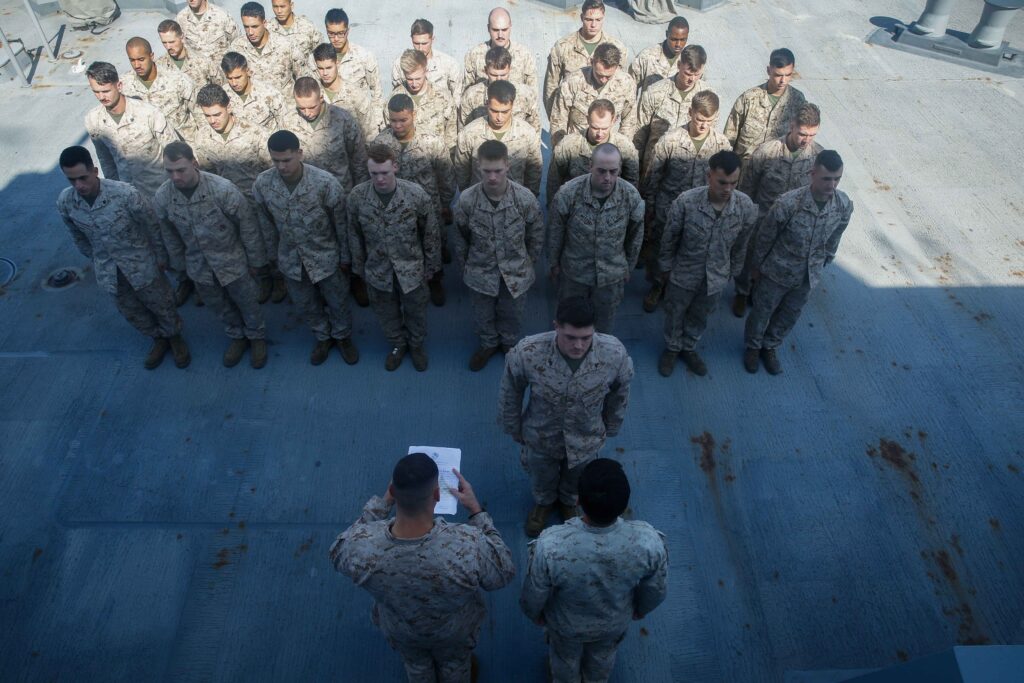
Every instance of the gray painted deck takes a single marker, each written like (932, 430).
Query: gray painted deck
(864, 508)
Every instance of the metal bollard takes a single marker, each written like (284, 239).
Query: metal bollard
(992, 26)
(934, 19)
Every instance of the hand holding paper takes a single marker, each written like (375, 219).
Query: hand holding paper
(464, 494)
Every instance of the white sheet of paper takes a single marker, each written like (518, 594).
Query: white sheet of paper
(446, 459)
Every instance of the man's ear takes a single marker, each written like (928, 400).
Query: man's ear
(437, 492)
(391, 490)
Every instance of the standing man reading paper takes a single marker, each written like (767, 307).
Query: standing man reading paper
(424, 573)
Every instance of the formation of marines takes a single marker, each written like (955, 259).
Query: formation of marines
(263, 164)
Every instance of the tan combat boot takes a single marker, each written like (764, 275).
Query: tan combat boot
(258, 353)
(156, 353)
(234, 352)
(536, 520)
(179, 349)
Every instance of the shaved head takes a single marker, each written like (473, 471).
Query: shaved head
(138, 42)
(499, 27)
(499, 15)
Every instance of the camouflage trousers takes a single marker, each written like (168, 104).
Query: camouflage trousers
(402, 315)
(323, 304)
(686, 315)
(443, 664)
(774, 313)
(238, 307)
(497, 319)
(606, 300)
(551, 478)
(743, 283)
(149, 309)
(574, 661)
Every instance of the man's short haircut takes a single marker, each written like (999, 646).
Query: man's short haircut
(75, 155)
(502, 91)
(325, 52)
(306, 86)
(601, 106)
(498, 58)
(413, 481)
(693, 57)
(606, 148)
(808, 115)
(492, 150)
(254, 9)
(781, 58)
(378, 153)
(705, 103)
(401, 102)
(412, 60)
(421, 26)
(608, 54)
(604, 491)
(336, 16)
(233, 60)
(103, 73)
(830, 159)
(170, 26)
(678, 22)
(211, 95)
(726, 161)
(283, 141)
(138, 41)
(577, 311)
(592, 4)
(173, 151)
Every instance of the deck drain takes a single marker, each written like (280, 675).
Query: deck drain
(62, 279)
(7, 271)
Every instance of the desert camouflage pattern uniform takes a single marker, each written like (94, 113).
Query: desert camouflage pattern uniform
(587, 582)
(211, 32)
(172, 92)
(303, 33)
(359, 67)
(578, 92)
(131, 150)
(568, 56)
(279, 64)
(358, 103)
(651, 65)
(794, 243)
(569, 414)
(443, 72)
(523, 142)
(662, 108)
(571, 159)
(426, 591)
(334, 143)
(197, 65)
(675, 167)
(754, 119)
(522, 72)
(264, 106)
(435, 112)
(119, 233)
(474, 105)
(425, 161)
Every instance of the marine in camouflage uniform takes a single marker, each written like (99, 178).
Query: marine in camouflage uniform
(312, 251)
(579, 90)
(499, 29)
(571, 159)
(571, 53)
(659, 61)
(474, 106)
(443, 72)
(259, 104)
(594, 242)
(794, 242)
(302, 32)
(522, 141)
(356, 64)
(396, 247)
(194, 63)
(207, 27)
(426, 590)
(332, 141)
(278, 63)
(435, 112)
(170, 91)
(345, 95)
(423, 159)
(759, 115)
(586, 582)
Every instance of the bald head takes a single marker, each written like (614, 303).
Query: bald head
(138, 43)
(499, 27)
(140, 56)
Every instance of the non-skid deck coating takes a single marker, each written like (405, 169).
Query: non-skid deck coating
(861, 509)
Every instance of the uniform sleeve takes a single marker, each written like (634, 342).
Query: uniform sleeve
(534, 220)
(559, 117)
(635, 231)
(558, 217)
(266, 221)
(105, 158)
(170, 237)
(146, 221)
(631, 167)
(356, 245)
(557, 170)
(750, 179)
(451, 129)
(618, 397)
(532, 113)
(671, 234)
(735, 121)
(651, 590)
(552, 77)
(740, 246)
(534, 166)
(511, 393)
(372, 75)
(642, 124)
(768, 232)
(79, 238)
(426, 219)
(374, 510)
(495, 559)
(464, 111)
(162, 130)
(628, 122)
(444, 175)
(537, 586)
(464, 161)
(355, 147)
(833, 240)
(455, 84)
(396, 74)
(334, 202)
(241, 211)
(462, 234)
(655, 168)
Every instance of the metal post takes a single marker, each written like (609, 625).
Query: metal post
(992, 26)
(14, 57)
(39, 28)
(933, 20)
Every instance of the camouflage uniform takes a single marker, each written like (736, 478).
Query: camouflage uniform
(119, 233)
(577, 93)
(214, 236)
(131, 150)
(569, 413)
(425, 161)
(498, 247)
(435, 112)
(675, 167)
(651, 66)
(794, 243)
(334, 143)
(279, 64)
(443, 72)
(395, 248)
(238, 155)
(523, 71)
(474, 105)
(587, 582)
(358, 67)
(571, 159)
(754, 119)
(303, 33)
(210, 32)
(662, 108)
(772, 171)
(426, 591)
(700, 250)
(172, 92)
(312, 245)
(264, 106)
(523, 142)
(568, 56)
(595, 245)
(364, 110)
(198, 66)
